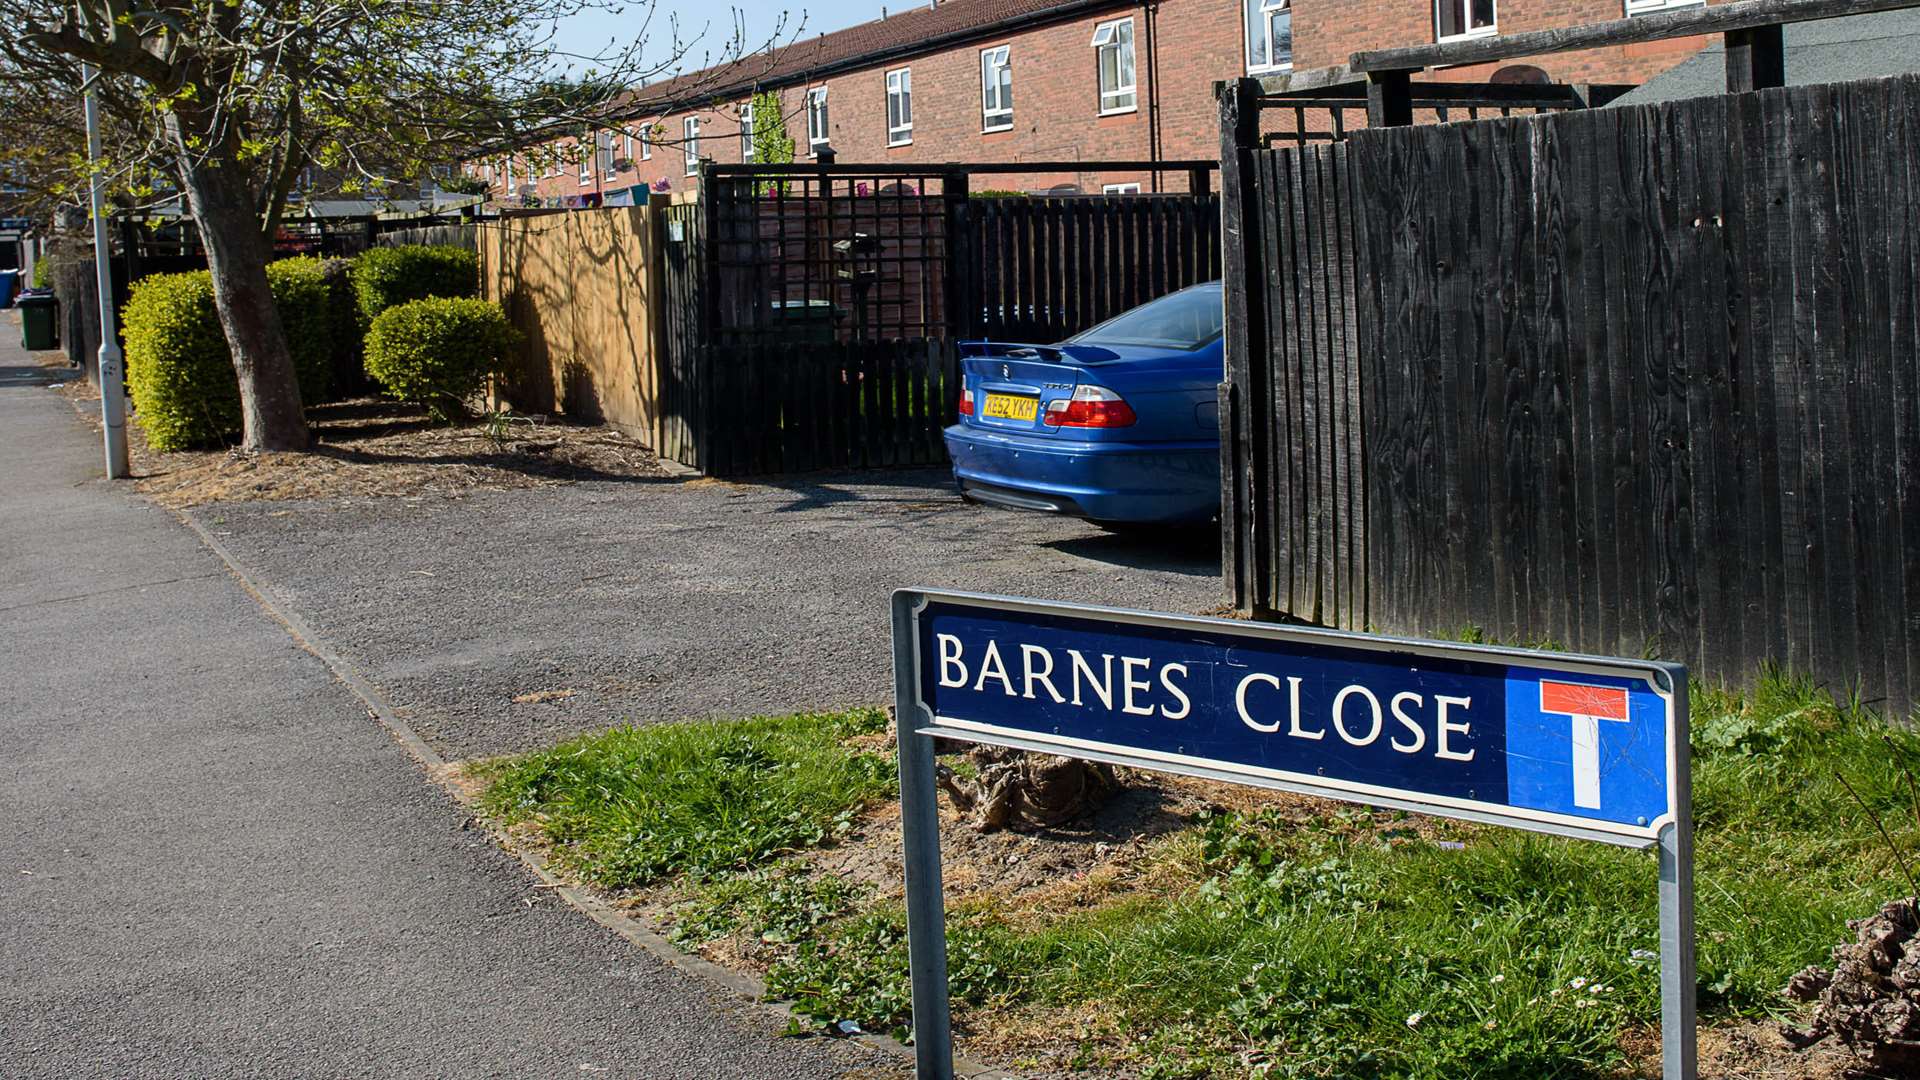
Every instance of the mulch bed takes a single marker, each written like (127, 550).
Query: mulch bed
(374, 448)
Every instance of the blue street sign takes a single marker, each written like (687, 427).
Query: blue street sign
(1579, 746)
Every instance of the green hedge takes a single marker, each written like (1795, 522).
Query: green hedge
(179, 369)
(386, 276)
(438, 352)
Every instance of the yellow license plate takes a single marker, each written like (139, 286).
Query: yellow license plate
(1011, 407)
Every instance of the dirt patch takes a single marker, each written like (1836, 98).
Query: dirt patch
(542, 697)
(1741, 1050)
(372, 448)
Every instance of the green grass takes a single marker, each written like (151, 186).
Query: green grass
(636, 805)
(1350, 946)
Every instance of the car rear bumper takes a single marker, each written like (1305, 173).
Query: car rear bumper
(1105, 481)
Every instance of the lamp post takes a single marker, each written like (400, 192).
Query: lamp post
(112, 363)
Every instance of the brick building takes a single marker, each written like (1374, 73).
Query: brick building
(1033, 80)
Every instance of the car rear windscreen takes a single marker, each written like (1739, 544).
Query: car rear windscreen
(1184, 320)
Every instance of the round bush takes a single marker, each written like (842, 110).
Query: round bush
(438, 352)
(179, 370)
(386, 276)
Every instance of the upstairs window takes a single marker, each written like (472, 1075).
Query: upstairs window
(1269, 34)
(1113, 45)
(690, 143)
(585, 154)
(604, 141)
(899, 107)
(646, 144)
(818, 132)
(996, 88)
(746, 132)
(1463, 18)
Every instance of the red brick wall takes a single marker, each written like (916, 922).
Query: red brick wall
(1057, 100)
(1327, 32)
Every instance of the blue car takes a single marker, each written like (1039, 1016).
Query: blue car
(1117, 424)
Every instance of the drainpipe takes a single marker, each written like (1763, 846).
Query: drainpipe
(1152, 43)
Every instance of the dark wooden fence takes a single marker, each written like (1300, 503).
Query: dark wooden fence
(782, 408)
(1044, 269)
(1628, 380)
(455, 235)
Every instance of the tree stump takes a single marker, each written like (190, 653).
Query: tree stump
(1016, 789)
(1870, 1000)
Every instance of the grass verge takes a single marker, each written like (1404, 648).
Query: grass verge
(1310, 940)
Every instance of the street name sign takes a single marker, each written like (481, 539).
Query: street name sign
(1591, 748)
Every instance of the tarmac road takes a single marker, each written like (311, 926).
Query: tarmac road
(215, 864)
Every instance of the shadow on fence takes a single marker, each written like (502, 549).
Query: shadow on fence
(1629, 380)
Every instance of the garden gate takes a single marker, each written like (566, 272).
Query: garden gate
(815, 309)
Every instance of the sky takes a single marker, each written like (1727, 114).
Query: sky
(589, 33)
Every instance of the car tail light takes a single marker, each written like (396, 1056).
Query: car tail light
(966, 403)
(1090, 406)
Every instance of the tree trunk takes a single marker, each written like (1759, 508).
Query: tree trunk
(237, 256)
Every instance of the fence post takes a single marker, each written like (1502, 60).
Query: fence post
(1389, 98)
(703, 361)
(962, 311)
(1242, 259)
(1756, 59)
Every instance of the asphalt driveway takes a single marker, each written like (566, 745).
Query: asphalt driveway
(508, 620)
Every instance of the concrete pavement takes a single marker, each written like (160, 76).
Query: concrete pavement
(215, 864)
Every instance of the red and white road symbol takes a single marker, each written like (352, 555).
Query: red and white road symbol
(1587, 705)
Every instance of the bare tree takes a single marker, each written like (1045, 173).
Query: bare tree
(231, 100)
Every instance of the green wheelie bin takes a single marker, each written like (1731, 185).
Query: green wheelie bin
(39, 321)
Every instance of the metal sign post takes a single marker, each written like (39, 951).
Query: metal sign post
(112, 364)
(1586, 747)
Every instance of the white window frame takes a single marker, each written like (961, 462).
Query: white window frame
(900, 86)
(996, 107)
(1471, 31)
(1123, 97)
(584, 151)
(746, 131)
(1648, 7)
(646, 143)
(819, 121)
(690, 143)
(603, 146)
(1120, 189)
(1266, 10)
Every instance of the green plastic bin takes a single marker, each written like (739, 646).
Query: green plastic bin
(810, 322)
(39, 322)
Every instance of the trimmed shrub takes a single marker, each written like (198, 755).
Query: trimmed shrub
(305, 300)
(439, 352)
(385, 276)
(179, 370)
